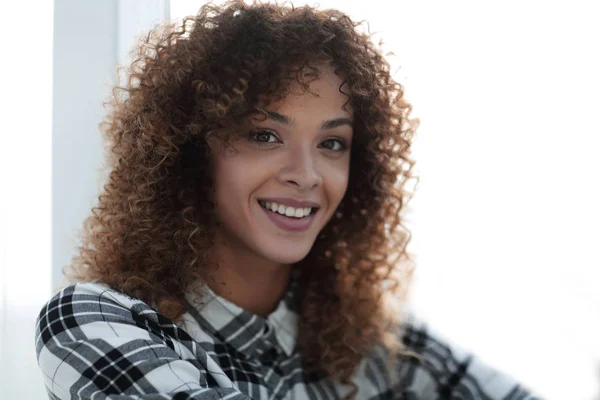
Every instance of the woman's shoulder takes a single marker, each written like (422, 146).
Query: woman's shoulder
(83, 292)
(94, 309)
(83, 302)
(93, 341)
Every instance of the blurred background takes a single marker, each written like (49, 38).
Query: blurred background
(505, 217)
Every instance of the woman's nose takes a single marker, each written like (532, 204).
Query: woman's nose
(301, 170)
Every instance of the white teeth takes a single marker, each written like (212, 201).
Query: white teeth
(287, 211)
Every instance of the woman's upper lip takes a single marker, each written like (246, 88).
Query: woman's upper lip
(287, 201)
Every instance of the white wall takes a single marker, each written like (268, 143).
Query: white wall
(91, 39)
(85, 54)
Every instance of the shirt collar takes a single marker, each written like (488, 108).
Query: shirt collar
(248, 333)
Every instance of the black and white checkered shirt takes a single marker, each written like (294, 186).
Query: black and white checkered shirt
(93, 342)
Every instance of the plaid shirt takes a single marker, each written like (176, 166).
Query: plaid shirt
(93, 342)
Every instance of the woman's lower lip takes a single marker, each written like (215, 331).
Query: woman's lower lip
(289, 223)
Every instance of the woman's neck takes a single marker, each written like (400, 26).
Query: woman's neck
(254, 285)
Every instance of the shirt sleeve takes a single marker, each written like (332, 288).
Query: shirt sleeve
(448, 371)
(93, 342)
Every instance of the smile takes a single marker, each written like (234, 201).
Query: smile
(292, 212)
(288, 218)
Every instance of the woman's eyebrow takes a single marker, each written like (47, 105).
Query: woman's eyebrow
(328, 124)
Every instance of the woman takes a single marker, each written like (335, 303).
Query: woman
(249, 241)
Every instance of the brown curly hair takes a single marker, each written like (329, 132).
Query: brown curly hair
(154, 225)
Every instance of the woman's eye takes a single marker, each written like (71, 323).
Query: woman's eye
(267, 138)
(341, 144)
(262, 137)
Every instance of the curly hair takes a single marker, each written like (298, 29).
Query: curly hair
(153, 228)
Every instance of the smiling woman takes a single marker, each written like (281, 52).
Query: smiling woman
(250, 243)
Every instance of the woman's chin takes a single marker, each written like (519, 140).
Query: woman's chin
(289, 256)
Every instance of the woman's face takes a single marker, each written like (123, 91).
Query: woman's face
(301, 153)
